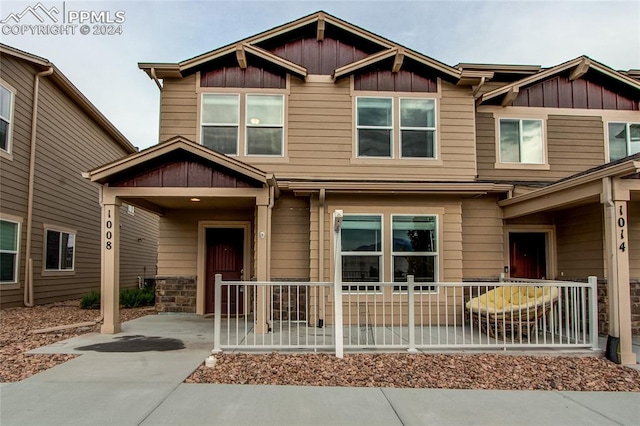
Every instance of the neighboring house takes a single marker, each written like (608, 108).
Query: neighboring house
(49, 215)
(494, 168)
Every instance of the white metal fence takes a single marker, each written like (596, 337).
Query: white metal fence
(411, 316)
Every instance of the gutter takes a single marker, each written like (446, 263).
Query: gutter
(28, 267)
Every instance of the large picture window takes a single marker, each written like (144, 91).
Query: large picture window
(59, 250)
(521, 141)
(9, 243)
(624, 140)
(374, 123)
(417, 128)
(414, 249)
(6, 119)
(265, 124)
(361, 239)
(220, 122)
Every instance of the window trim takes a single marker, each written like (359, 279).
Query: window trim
(8, 153)
(237, 125)
(16, 278)
(56, 272)
(245, 126)
(435, 254)
(628, 123)
(545, 146)
(378, 289)
(434, 129)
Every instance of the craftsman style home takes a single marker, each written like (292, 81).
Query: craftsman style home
(445, 174)
(49, 215)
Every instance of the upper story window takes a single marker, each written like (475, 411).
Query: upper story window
(624, 140)
(59, 250)
(9, 242)
(361, 238)
(521, 141)
(6, 118)
(262, 132)
(377, 131)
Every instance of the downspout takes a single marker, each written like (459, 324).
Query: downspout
(482, 81)
(28, 265)
(613, 340)
(155, 78)
(272, 192)
(321, 201)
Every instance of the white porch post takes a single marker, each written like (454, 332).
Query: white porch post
(617, 263)
(262, 235)
(110, 274)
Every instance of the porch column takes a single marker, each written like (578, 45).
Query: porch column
(110, 274)
(617, 261)
(262, 236)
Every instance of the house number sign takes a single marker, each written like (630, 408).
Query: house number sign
(622, 223)
(109, 233)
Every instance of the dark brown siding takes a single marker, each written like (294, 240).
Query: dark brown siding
(401, 81)
(560, 92)
(186, 174)
(319, 57)
(234, 76)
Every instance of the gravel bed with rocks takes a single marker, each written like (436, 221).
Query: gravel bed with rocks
(16, 337)
(445, 371)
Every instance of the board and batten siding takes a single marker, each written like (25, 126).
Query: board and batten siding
(482, 239)
(574, 143)
(290, 238)
(69, 142)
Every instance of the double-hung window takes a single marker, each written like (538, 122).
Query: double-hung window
(59, 250)
(417, 128)
(249, 124)
(414, 249)
(374, 124)
(624, 140)
(361, 239)
(9, 243)
(6, 118)
(521, 141)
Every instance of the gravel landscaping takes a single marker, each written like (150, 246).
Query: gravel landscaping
(447, 371)
(16, 337)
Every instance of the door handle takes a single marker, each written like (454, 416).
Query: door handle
(241, 274)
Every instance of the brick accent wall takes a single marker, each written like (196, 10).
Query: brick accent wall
(176, 294)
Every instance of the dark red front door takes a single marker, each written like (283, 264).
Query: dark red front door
(527, 255)
(225, 256)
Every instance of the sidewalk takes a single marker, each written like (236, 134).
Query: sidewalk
(146, 388)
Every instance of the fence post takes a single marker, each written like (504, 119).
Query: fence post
(593, 312)
(337, 283)
(217, 316)
(412, 318)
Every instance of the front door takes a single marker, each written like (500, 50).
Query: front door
(528, 254)
(225, 256)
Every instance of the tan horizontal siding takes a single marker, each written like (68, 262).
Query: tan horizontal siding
(482, 238)
(633, 213)
(290, 238)
(179, 108)
(579, 242)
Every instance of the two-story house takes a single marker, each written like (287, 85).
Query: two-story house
(445, 173)
(49, 215)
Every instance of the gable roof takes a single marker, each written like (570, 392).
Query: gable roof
(387, 48)
(578, 67)
(72, 92)
(104, 173)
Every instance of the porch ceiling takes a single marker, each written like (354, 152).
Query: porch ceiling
(161, 204)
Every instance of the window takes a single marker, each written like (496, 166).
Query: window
(624, 140)
(417, 128)
(220, 122)
(414, 250)
(59, 250)
(6, 119)
(374, 124)
(9, 242)
(361, 238)
(521, 141)
(265, 130)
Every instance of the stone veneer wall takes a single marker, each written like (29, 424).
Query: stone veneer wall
(603, 307)
(176, 294)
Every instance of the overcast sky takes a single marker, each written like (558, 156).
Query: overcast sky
(104, 67)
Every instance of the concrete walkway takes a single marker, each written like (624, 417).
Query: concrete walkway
(146, 388)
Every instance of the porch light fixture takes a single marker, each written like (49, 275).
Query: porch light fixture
(195, 200)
